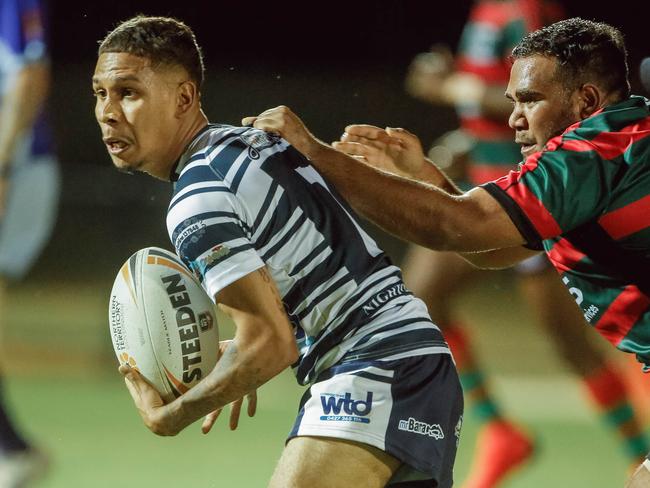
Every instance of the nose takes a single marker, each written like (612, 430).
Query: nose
(517, 120)
(107, 111)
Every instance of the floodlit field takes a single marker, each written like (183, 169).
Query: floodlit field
(66, 392)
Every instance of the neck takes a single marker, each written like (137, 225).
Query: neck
(611, 99)
(185, 135)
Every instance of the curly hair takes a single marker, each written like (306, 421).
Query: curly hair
(163, 40)
(585, 51)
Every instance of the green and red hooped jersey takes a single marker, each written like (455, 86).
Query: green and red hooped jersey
(493, 29)
(596, 172)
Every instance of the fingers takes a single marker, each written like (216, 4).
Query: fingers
(248, 121)
(379, 138)
(132, 379)
(235, 413)
(356, 149)
(223, 345)
(144, 395)
(209, 421)
(401, 135)
(252, 403)
(364, 130)
(271, 120)
(235, 409)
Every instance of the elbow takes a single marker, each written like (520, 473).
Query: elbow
(277, 351)
(289, 352)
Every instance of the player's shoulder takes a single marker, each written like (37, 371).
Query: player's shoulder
(226, 159)
(612, 130)
(222, 146)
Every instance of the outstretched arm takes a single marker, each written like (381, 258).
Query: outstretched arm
(393, 150)
(399, 152)
(264, 345)
(418, 212)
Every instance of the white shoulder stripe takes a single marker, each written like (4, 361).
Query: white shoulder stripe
(195, 186)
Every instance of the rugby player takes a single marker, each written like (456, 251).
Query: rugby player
(581, 194)
(284, 257)
(474, 85)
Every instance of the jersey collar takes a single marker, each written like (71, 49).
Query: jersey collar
(180, 163)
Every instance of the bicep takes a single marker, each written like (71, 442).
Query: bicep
(254, 304)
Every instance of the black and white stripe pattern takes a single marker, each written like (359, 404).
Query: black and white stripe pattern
(245, 199)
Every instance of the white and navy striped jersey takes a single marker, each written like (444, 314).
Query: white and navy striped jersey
(244, 199)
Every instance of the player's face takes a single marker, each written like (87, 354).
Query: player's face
(542, 107)
(136, 111)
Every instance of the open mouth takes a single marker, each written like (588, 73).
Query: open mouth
(115, 146)
(528, 149)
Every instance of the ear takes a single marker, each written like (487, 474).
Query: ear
(187, 96)
(590, 99)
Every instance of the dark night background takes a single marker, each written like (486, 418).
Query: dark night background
(333, 62)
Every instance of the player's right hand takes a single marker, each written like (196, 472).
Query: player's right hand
(235, 407)
(394, 150)
(283, 122)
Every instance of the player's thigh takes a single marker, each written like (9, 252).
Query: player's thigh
(315, 462)
(641, 477)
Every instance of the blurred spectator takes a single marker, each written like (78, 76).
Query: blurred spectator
(29, 187)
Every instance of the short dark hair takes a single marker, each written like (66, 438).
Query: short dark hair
(585, 51)
(163, 40)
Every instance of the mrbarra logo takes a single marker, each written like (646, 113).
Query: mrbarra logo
(422, 428)
(342, 408)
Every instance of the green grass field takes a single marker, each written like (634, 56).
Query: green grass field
(66, 393)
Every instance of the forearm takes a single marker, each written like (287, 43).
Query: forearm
(432, 175)
(412, 210)
(243, 367)
(21, 105)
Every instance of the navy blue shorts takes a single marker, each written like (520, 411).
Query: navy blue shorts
(410, 408)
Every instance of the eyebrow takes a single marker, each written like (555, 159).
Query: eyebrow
(524, 94)
(119, 79)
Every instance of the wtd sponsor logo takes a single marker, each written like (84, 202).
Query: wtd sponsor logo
(342, 408)
(382, 297)
(422, 428)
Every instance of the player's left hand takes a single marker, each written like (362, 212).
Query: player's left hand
(283, 122)
(235, 410)
(394, 150)
(148, 401)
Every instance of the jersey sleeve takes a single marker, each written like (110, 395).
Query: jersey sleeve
(213, 237)
(554, 191)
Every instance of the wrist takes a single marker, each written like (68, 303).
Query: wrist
(172, 417)
(315, 148)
